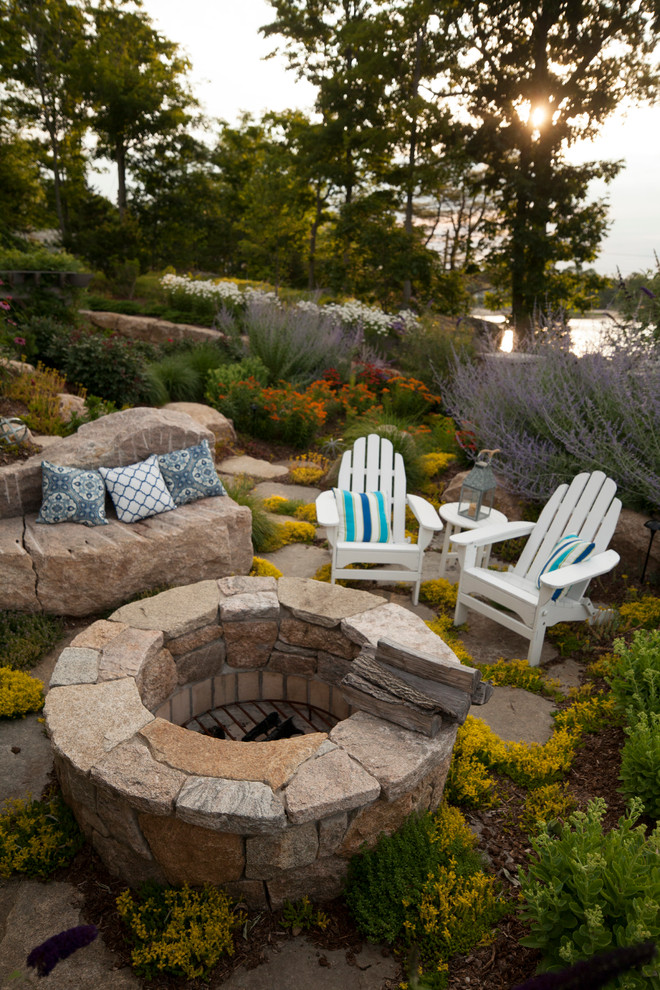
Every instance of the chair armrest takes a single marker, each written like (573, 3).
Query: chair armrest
(326, 509)
(587, 569)
(495, 533)
(424, 513)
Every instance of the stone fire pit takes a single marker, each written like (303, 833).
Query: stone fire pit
(269, 821)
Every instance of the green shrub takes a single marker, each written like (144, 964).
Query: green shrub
(635, 676)
(220, 379)
(179, 931)
(589, 890)
(25, 638)
(425, 886)
(19, 693)
(37, 837)
(281, 414)
(640, 762)
(38, 259)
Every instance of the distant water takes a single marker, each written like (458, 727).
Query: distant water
(586, 332)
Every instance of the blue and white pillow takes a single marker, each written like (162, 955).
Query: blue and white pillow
(569, 550)
(138, 490)
(71, 494)
(363, 517)
(190, 473)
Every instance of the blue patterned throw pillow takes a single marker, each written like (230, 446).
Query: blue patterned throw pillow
(71, 494)
(362, 517)
(138, 490)
(190, 473)
(569, 550)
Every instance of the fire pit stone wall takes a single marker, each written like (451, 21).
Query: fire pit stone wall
(269, 821)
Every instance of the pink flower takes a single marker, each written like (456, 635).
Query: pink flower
(19, 341)
(4, 304)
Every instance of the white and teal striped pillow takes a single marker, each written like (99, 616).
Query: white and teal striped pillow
(363, 517)
(569, 550)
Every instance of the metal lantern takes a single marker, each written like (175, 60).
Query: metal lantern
(478, 489)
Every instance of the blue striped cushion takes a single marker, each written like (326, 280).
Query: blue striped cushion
(569, 550)
(363, 517)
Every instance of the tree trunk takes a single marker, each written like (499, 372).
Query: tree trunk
(311, 260)
(120, 159)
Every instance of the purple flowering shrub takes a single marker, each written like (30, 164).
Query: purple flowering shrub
(553, 415)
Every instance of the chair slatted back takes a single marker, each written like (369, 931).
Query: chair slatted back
(373, 466)
(586, 507)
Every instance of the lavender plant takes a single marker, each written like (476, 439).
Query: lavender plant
(553, 415)
(296, 344)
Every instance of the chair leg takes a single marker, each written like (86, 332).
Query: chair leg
(460, 613)
(536, 645)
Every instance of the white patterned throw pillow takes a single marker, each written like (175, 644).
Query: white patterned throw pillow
(138, 490)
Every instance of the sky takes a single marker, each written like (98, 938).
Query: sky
(229, 75)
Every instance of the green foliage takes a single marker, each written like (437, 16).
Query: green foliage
(431, 347)
(37, 837)
(425, 885)
(221, 379)
(641, 612)
(640, 762)
(38, 259)
(302, 915)
(173, 379)
(589, 890)
(264, 529)
(25, 638)
(635, 674)
(179, 931)
(281, 414)
(19, 693)
(397, 429)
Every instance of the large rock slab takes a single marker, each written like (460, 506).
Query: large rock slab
(208, 417)
(18, 580)
(149, 328)
(130, 771)
(82, 570)
(111, 441)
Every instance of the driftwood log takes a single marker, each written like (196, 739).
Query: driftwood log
(413, 689)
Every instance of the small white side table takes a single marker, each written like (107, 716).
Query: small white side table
(454, 523)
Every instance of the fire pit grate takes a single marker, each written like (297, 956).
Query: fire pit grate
(235, 720)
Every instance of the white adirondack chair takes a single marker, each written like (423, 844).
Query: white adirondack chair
(372, 466)
(586, 508)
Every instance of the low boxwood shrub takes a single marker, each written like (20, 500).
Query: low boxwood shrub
(20, 693)
(588, 890)
(37, 837)
(640, 762)
(425, 887)
(179, 931)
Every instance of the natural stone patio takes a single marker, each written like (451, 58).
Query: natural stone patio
(268, 820)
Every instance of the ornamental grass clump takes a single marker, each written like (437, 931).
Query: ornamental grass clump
(37, 837)
(555, 415)
(424, 888)
(178, 931)
(588, 890)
